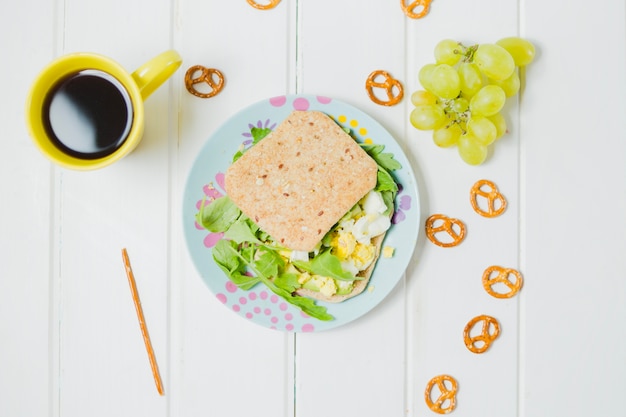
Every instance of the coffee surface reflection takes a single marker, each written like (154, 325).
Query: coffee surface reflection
(88, 114)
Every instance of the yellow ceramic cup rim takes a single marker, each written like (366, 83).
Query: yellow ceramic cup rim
(58, 70)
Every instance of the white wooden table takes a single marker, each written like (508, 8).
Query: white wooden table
(69, 340)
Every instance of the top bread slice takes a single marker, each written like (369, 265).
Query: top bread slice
(299, 180)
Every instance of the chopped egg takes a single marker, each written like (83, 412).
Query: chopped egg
(304, 277)
(370, 226)
(360, 259)
(364, 255)
(348, 265)
(346, 225)
(344, 286)
(388, 251)
(326, 285)
(351, 243)
(343, 244)
(298, 255)
(373, 203)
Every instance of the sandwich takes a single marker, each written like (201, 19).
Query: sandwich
(306, 211)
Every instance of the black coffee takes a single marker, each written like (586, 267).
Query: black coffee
(88, 115)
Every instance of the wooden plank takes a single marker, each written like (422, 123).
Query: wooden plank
(26, 225)
(224, 364)
(444, 287)
(573, 221)
(356, 369)
(103, 365)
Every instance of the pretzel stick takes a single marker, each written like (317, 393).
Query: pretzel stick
(142, 322)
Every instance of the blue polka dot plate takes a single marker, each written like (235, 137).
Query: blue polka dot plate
(206, 182)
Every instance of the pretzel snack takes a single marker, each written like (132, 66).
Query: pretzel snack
(502, 277)
(481, 342)
(446, 401)
(392, 87)
(496, 203)
(142, 322)
(270, 5)
(440, 224)
(415, 9)
(210, 76)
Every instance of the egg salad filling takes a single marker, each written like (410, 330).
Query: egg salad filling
(350, 241)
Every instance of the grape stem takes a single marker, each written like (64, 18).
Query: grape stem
(467, 52)
(455, 117)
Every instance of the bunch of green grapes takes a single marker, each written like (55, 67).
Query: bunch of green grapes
(465, 91)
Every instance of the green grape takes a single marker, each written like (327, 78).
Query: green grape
(482, 129)
(425, 76)
(459, 105)
(444, 82)
(488, 101)
(522, 51)
(420, 97)
(464, 92)
(494, 61)
(427, 117)
(446, 137)
(510, 86)
(470, 78)
(470, 150)
(500, 123)
(447, 51)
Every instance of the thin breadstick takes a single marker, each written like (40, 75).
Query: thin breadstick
(142, 322)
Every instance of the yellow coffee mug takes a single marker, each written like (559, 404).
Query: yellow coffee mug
(85, 111)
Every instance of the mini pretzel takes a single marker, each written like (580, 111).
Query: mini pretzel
(440, 223)
(416, 9)
(496, 203)
(210, 76)
(481, 342)
(393, 88)
(502, 277)
(446, 401)
(270, 5)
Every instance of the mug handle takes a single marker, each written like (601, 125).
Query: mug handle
(156, 71)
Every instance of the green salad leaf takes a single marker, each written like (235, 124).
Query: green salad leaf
(218, 216)
(224, 255)
(247, 257)
(287, 281)
(257, 133)
(385, 160)
(327, 265)
(385, 182)
(240, 231)
(269, 263)
(307, 305)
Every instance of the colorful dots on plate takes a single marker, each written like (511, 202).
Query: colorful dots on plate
(266, 307)
(298, 103)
